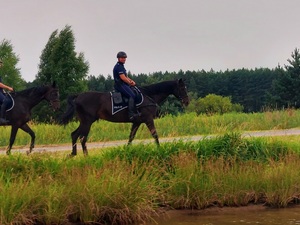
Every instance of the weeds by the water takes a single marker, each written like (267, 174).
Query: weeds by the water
(127, 185)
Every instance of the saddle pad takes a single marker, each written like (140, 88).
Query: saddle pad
(119, 102)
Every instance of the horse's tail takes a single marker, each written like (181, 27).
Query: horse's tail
(69, 114)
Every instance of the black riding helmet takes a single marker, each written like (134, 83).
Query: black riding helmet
(121, 55)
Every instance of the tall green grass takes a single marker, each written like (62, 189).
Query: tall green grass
(168, 126)
(127, 185)
(75, 191)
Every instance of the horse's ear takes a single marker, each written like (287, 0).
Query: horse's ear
(54, 84)
(181, 80)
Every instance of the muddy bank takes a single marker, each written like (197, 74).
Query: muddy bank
(252, 214)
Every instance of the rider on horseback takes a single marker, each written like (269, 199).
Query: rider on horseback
(3, 99)
(124, 84)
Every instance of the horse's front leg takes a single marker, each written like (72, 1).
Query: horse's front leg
(28, 130)
(134, 128)
(13, 133)
(152, 129)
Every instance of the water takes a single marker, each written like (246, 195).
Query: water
(231, 216)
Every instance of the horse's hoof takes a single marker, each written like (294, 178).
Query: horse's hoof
(70, 155)
(28, 152)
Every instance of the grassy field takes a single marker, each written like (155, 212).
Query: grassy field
(169, 126)
(131, 184)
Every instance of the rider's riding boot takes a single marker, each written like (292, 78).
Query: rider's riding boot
(131, 109)
(2, 113)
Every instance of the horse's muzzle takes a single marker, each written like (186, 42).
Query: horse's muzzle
(185, 101)
(55, 105)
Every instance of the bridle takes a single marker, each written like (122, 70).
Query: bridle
(53, 97)
(182, 93)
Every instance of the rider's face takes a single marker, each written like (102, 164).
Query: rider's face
(122, 60)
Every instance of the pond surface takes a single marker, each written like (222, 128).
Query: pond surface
(231, 216)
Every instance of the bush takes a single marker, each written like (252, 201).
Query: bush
(213, 104)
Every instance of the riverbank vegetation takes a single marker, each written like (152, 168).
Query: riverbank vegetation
(127, 185)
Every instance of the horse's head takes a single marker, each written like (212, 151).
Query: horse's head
(52, 96)
(181, 92)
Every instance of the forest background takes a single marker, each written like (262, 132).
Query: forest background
(241, 90)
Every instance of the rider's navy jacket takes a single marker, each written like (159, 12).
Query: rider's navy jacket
(117, 71)
(120, 85)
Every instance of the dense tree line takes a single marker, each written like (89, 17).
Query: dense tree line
(248, 88)
(252, 90)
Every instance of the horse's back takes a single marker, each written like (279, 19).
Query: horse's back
(92, 97)
(98, 105)
(93, 102)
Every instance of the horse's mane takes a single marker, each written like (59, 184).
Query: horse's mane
(31, 91)
(162, 87)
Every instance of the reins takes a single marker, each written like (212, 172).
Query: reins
(12, 99)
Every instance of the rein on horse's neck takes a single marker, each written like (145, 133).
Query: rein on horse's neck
(160, 91)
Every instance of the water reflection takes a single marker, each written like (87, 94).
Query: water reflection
(229, 216)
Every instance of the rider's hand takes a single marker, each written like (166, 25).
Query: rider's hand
(10, 89)
(132, 83)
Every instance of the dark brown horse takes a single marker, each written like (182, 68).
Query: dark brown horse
(91, 106)
(20, 112)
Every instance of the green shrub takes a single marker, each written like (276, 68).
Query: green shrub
(213, 104)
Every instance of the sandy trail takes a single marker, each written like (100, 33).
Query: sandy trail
(98, 145)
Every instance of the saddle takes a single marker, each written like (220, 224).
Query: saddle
(120, 102)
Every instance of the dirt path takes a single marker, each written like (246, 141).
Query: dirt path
(92, 145)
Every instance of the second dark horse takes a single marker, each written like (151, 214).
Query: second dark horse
(91, 106)
(20, 113)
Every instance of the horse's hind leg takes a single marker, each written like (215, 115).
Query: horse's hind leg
(134, 128)
(74, 136)
(81, 132)
(12, 138)
(85, 129)
(28, 130)
(152, 129)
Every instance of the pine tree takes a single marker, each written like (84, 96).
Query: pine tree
(285, 89)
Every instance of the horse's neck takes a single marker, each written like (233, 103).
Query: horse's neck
(160, 93)
(36, 100)
(31, 100)
(159, 98)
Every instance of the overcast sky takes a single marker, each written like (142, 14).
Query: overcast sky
(157, 35)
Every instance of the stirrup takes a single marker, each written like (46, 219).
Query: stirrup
(3, 121)
(134, 116)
